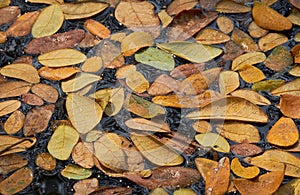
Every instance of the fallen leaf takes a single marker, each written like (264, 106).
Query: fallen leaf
(16, 182)
(57, 74)
(9, 14)
(171, 177)
(252, 96)
(9, 106)
(86, 186)
(185, 191)
(204, 165)
(231, 108)
(11, 144)
(245, 149)
(186, 70)
(37, 119)
(267, 85)
(2, 37)
(295, 71)
(227, 6)
(114, 190)
(290, 105)
(137, 82)
(295, 3)
(80, 81)
(213, 140)
(25, 72)
(296, 53)
(202, 126)
(47, 1)
(269, 2)
(294, 16)
(92, 64)
(163, 85)
(279, 59)
(267, 18)
(271, 40)
(194, 52)
(158, 191)
(244, 40)
(32, 99)
(164, 18)
(211, 36)
(115, 101)
(61, 57)
(82, 155)
(11, 162)
(45, 161)
(46, 92)
(293, 187)
(83, 112)
(225, 24)
(243, 172)
(97, 29)
(14, 123)
(228, 82)
(76, 172)
(178, 6)
(147, 125)
(255, 31)
(247, 59)
(89, 40)
(251, 74)
(135, 41)
(232, 50)
(291, 88)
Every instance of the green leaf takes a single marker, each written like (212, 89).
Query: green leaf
(156, 58)
(76, 172)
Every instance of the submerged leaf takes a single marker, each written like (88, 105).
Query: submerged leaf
(213, 140)
(135, 41)
(79, 82)
(76, 172)
(228, 82)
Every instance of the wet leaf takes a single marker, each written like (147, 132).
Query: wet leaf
(9, 106)
(293, 187)
(48, 22)
(25, 72)
(142, 107)
(37, 119)
(164, 18)
(93, 64)
(296, 53)
(232, 50)
(115, 102)
(45, 161)
(2, 37)
(239, 132)
(186, 70)
(250, 73)
(294, 16)
(252, 96)
(213, 140)
(158, 191)
(274, 160)
(57, 74)
(291, 88)
(245, 149)
(185, 191)
(16, 182)
(271, 40)
(267, 18)
(32, 99)
(11, 162)
(194, 52)
(135, 41)
(290, 105)
(86, 186)
(147, 125)
(202, 126)
(227, 6)
(267, 183)
(163, 85)
(225, 24)
(82, 155)
(57, 41)
(256, 31)
(165, 177)
(80, 81)
(89, 40)
(46, 92)
(243, 172)
(267, 85)
(178, 6)
(61, 57)
(14, 123)
(9, 14)
(83, 112)
(23, 25)
(96, 28)
(76, 172)
(244, 40)
(231, 108)
(47, 1)
(279, 59)
(211, 36)
(137, 82)
(228, 82)
(204, 165)
(73, 11)
(295, 71)
(11, 144)
(295, 3)
(283, 133)
(247, 59)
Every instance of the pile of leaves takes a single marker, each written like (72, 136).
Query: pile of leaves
(186, 94)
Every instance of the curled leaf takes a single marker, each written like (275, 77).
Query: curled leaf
(244, 172)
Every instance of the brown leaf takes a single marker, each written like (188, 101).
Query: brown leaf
(188, 23)
(256, 31)
(23, 59)
(252, 96)
(82, 155)
(11, 144)
(186, 70)
(45, 161)
(211, 36)
(295, 3)
(245, 149)
(9, 106)
(135, 41)
(244, 40)
(232, 50)
(57, 74)
(22, 26)
(137, 82)
(14, 123)
(86, 186)
(97, 29)
(37, 119)
(89, 40)
(147, 125)
(204, 165)
(113, 190)
(267, 18)
(178, 6)
(163, 85)
(166, 177)
(2, 37)
(9, 14)
(25, 72)
(92, 64)
(32, 99)
(57, 41)
(295, 71)
(164, 18)
(271, 40)
(291, 88)
(16, 182)
(290, 106)
(202, 126)
(228, 6)
(46, 92)
(296, 53)
(11, 162)
(279, 59)
(209, 4)
(225, 24)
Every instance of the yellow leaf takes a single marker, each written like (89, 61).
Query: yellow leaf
(80, 81)
(247, 59)
(184, 191)
(9, 106)
(251, 74)
(271, 40)
(252, 96)
(204, 165)
(244, 172)
(76, 172)
(291, 88)
(14, 123)
(92, 64)
(147, 125)
(228, 82)
(11, 144)
(211, 36)
(137, 82)
(213, 140)
(135, 41)
(227, 6)
(25, 72)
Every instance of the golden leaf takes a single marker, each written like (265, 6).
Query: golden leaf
(11, 144)
(147, 125)
(244, 172)
(202, 126)
(13, 88)
(227, 6)
(97, 29)
(252, 96)
(256, 31)
(248, 59)
(76, 172)
(225, 24)
(211, 36)
(80, 81)
(93, 64)
(45, 161)
(9, 106)
(11, 162)
(291, 88)
(25, 72)
(271, 40)
(213, 140)
(228, 82)
(57, 74)
(135, 41)
(14, 123)
(164, 18)
(244, 40)
(250, 73)
(204, 165)
(137, 82)
(178, 6)
(290, 106)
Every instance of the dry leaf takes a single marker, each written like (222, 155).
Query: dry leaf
(2, 37)
(32, 99)
(89, 40)
(163, 85)
(16, 182)
(46, 92)
(11, 162)
(57, 74)
(83, 112)
(80, 81)
(178, 6)
(213, 140)
(25, 72)
(252, 96)
(61, 57)
(45, 161)
(137, 82)
(245, 149)
(293, 187)
(244, 40)
(232, 50)
(279, 59)
(228, 82)
(290, 106)
(164, 18)
(37, 119)
(9, 14)
(23, 25)
(135, 41)
(267, 85)
(9, 106)
(204, 165)
(93, 64)
(202, 126)
(291, 88)
(186, 70)
(294, 16)
(296, 53)
(11, 144)
(96, 28)
(251, 74)
(256, 31)
(267, 18)
(82, 155)
(211, 36)
(76, 172)
(14, 123)
(247, 59)
(227, 6)
(231, 108)
(225, 24)
(244, 172)
(147, 125)
(86, 186)
(295, 71)
(271, 40)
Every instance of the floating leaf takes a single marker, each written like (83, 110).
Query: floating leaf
(186, 70)
(290, 105)
(202, 126)
(147, 125)
(271, 40)
(163, 85)
(48, 22)
(93, 64)
(137, 82)
(135, 41)
(142, 107)
(279, 59)
(194, 52)
(61, 57)
(267, 85)
(80, 81)
(227, 6)
(25, 72)
(267, 18)
(57, 74)
(76, 172)
(248, 59)
(252, 96)
(83, 112)
(86, 186)
(155, 151)
(32, 99)
(244, 40)
(178, 6)
(125, 71)
(231, 108)
(45, 161)
(156, 58)
(204, 165)
(96, 28)
(14, 123)
(16, 182)
(11, 144)
(256, 31)
(291, 88)
(82, 155)
(211, 36)
(214, 141)
(11, 162)
(9, 14)
(9, 106)
(243, 172)
(225, 24)
(245, 149)
(228, 82)
(251, 74)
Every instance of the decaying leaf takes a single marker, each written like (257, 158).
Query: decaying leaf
(16, 182)
(291, 88)
(9, 106)
(25, 72)
(171, 177)
(228, 82)
(11, 144)
(231, 108)
(86, 186)
(271, 40)
(80, 81)
(83, 112)
(37, 119)
(267, 18)
(227, 6)
(213, 140)
(14, 123)
(76, 172)
(252, 96)
(155, 151)
(279, 59)
(225, 24)
(163, 85)
(57, 74)
(290, 105)
(256, 31)
(11, 162)
(267, 85)
(92, 64)
(211, 36)
(243, 172)
(45, 161)
(147, 125)
(186, 70)
(32, 99)
(61, 57)
(82, 155)
(232, 50)
(202, 126)
(178, 6)
(251, 74)
(244, 40)
(247, 59)
(245, 149)
(9, 14)
(135, 41)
